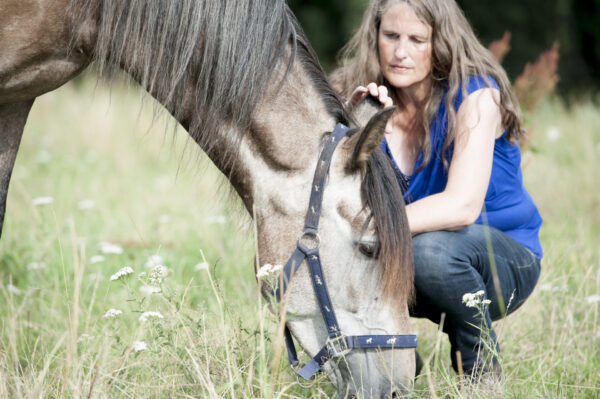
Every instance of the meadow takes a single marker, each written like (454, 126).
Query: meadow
(102, 184)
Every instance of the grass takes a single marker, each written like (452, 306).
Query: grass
(153, 192)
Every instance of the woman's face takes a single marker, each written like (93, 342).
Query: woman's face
(404, 43)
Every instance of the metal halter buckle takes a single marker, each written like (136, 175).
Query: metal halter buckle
(337, 346)
(308, 237)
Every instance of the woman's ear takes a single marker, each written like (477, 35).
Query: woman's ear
(363, 143)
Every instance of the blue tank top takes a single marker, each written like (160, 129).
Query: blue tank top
(508, 206)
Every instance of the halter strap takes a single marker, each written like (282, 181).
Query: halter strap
(337, 344)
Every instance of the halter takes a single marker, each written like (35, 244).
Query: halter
(337, 343)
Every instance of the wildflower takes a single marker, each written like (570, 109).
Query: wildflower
(121, 273)
(112, 313)
(276, 268)
(146, 315)
(149, 290)
(12, 289)
(36, 266)
(265, 270)
(593, 299)
(96, 276)
(108, 248)
(85, 204)
(546, 287)
(472, 300)
(219, 219)
(164, 219)
(201, 266)
(139, 346)
(97, 259)
(553, 133)
(158, 274)
(154, 260)
(42, 201)
(84, 337)
(43, 156)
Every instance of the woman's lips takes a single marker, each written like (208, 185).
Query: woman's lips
(400, 68)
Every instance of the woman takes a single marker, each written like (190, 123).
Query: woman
(453, 141)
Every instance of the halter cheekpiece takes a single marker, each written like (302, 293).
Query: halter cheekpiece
(337, 343)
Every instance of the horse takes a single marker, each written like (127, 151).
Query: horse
(242, 79)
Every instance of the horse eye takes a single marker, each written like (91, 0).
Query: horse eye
(369, 249)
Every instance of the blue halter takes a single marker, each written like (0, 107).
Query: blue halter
(337, 343)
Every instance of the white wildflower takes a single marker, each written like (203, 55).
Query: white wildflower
(158, 274)
(486, 302)
(42, 201)
(593, 299)
(546, 287)
(201, 266)
(154, 260)
(96, 276)
(12, 289)
(84, 337)
(164, 219)
(108, 248)
(86, 204)
(265, 270)
(552, 133)
(149, 290)
(146, 315)
(121, 273)
(472, 300)
(276, 268)
(139, 346)
(36, 266)
(218, 219)
(96, 259)
(112, 313)
(43, 156)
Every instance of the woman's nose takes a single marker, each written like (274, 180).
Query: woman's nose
(400, 51)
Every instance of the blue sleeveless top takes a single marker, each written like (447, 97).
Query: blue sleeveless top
(508, 206)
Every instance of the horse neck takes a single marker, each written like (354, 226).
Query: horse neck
(277, 154)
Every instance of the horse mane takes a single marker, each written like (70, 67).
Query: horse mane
(227, 51)
(381, 192)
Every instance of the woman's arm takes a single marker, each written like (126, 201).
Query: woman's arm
(478, 124)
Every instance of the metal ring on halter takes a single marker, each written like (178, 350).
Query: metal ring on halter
(306, 384)
(311, 236)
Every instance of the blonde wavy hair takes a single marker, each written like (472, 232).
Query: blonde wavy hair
(457, 54)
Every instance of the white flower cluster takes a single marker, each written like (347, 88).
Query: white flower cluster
(112, 313)
(146, 315)
(121, 273)
(157, 275)
(109, 248)
(267, 270)
(139, 346)
(473, 300)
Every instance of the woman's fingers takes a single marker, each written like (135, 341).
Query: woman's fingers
(379, 92)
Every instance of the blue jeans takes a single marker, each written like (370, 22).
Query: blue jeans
(449, 264)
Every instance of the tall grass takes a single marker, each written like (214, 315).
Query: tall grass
(150, 191)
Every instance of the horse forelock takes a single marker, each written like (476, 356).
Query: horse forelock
(382, 195)
(225, 50)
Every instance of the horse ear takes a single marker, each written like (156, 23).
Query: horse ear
(368, 139)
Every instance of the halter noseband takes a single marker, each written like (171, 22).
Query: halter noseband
(337, 343)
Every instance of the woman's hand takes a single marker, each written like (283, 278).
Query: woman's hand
(379, 92)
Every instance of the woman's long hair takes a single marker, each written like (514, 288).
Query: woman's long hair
(456, 55)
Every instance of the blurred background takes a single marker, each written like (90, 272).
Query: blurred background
(534, 26)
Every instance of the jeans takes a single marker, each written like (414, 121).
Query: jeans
(449, 264)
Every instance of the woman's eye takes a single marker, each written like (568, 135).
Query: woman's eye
(370, 250)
